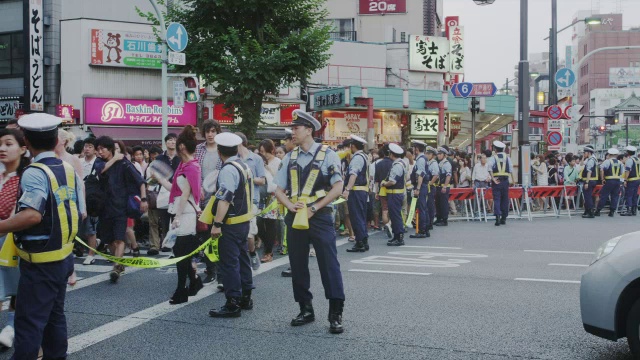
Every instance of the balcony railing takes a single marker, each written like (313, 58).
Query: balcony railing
(344, 35)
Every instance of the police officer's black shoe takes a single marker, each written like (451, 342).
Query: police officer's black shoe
(401, 240)
(358, 247)
(195, 286)
(611, 213)
(430, 227)
(286, 273)
(246, 302)
(365, 242)
(442, 223)
(335, 316)
(597, 212)
(306, 315)
(231, 309)
(503, 220)
(419, 235)
(589, 214)
(497, 222)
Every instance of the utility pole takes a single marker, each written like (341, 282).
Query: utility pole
(475, 108)
(553, 54)
(523, 94)
(165, 102)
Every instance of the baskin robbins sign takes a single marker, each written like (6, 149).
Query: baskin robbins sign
(131, 112)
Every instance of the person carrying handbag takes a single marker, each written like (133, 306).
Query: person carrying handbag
(183, 199)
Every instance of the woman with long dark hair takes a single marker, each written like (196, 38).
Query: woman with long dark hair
(12, 156)
(268, 223)
(184, 200)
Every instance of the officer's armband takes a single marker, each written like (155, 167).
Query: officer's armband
(224, 195)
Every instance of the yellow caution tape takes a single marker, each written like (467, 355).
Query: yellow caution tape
(210, 245)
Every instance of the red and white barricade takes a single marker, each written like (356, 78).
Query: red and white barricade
(515, 199)
(541, 192)
(466, 196)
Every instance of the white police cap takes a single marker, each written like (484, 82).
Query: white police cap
(358, 139)
(589, 148)
(431, 150)
(396, 149)
(39, 122)
(419, 142)
(302, 118)
(228, 139)
(442, 150)
(499, 144)
(631, 148)
(613, 151)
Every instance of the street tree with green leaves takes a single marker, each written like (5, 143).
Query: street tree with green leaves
(249, 49)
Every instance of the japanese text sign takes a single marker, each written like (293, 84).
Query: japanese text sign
(36, 55)
(376, 7)
(429, 54)
(424, 125)
(8, 109)
(125, 49)
(456, 49)
(342, 124)
(99, 111)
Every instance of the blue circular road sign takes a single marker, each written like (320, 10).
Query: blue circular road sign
(177, 38)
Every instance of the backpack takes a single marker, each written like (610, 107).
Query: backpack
(94, 195)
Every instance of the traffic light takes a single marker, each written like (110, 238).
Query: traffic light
(191, 89)
(602, 128)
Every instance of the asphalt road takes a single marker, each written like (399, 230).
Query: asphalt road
(471, 291)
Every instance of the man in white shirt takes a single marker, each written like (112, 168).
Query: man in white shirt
(480, 174)
(90, 224)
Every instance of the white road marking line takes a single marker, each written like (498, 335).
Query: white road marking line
(93, 268)
(389, 272)
(570, 265)
(549, 280)
(431, 247)
(109, 330)
(561, 252)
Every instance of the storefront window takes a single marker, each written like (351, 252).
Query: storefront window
(11, 54)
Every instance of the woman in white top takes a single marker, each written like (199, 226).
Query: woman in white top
(268, 223)
(464, 179)
(542, 176)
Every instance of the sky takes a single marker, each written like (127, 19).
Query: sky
(493, 31)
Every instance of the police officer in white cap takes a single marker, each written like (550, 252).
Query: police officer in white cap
(311, 174)
(612, 171)
(500, 172)
(589, 180)
(444, 188)
(421, 187)
(631, 181)
(356, 191)
(395, 194)
(232, 215)
(433, 176)
(45, 226)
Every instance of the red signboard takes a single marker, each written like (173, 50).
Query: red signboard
(451, 21)
(375, 7)
(286, 113)
(220, 114)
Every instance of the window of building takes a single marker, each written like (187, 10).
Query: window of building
(342, 29)
(11, 54)
(403, 36)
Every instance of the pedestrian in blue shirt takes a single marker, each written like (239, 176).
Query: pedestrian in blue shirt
(311, 174)
(45, 225)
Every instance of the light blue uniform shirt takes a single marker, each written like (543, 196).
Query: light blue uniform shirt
(445, 167)
(330, 166)
(434, 169)
(590, 165)
(35, 191)
(357, 163)
(256, 164)
(629, 164)
(228, 179)
(421, 166)
(492, 161)
(606, 165)
(397, 171)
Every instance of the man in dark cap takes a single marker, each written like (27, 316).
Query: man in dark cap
(311, 174)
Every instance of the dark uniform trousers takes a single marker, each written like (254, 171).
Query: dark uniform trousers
(357, 204)
(40, 320)
(394, 202)
(423, 214)
(588, 194)
(322, 235)
(610, 188)
(501, 196)
(431, 204)
(235, 266)
(442, 201)
(631, 194)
